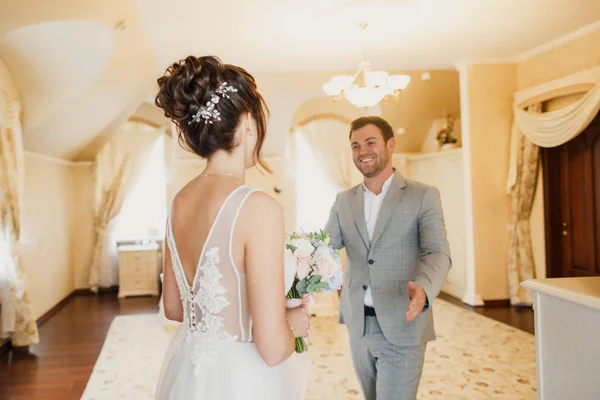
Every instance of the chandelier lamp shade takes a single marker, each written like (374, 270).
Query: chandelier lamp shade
(366, 88)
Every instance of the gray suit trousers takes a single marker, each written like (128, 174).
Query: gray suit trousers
(386, 371)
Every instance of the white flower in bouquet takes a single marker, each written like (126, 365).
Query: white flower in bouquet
(326, 267)
(303, 247)
(303, 269)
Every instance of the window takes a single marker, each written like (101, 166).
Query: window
(144, 211)
(315, 192)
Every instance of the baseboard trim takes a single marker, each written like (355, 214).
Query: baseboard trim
(472, 299)
(63, 302)
(88, 292)
(496, 303)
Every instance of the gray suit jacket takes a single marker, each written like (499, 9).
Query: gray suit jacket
(409, 243)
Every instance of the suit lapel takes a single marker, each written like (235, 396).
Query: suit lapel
(391, 200)
(358, 211)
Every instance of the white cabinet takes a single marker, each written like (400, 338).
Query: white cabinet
(567, 322)
(444, 170)
(138, 270)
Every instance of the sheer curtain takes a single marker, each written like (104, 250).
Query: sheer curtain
(315, 191)
(330, 146)
(142, 215)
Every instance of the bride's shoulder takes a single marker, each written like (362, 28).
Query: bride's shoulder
(262, 202)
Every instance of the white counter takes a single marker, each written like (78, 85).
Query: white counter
(567, 333)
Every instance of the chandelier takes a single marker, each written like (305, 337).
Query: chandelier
(365, 88)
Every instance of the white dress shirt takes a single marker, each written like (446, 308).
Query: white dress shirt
(372, 204)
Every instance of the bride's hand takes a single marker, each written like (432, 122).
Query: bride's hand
(299, 319)
(307, 301)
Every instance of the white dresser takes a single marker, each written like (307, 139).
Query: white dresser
(567, 337)
(139, 270)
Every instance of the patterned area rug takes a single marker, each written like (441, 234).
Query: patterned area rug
(473, 358)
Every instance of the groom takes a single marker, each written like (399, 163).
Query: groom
(398, 258)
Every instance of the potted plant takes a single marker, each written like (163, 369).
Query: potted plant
(444, 137)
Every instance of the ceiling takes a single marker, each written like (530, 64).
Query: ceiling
(80, 76)
(288, 35)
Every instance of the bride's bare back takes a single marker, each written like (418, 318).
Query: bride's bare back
(215, 219)
(196, 208)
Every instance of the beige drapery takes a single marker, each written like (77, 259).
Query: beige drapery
(18, 323)
(552, 129)
(117, 168)
(521, 189)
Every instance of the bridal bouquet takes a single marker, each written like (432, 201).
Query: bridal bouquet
(317, 268)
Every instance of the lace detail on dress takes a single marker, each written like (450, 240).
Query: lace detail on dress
(210, 333)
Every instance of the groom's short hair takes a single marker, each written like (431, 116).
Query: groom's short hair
(386, 129)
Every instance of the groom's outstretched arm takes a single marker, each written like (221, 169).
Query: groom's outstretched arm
(333, 227)
(435, 260)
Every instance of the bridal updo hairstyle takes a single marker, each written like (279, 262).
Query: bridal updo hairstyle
(190, 84)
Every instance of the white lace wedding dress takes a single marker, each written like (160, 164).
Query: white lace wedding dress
(212, 356)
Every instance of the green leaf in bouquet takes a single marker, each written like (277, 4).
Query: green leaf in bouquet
(291, 247)
(301, 286)
(312, 288)
(315, 279)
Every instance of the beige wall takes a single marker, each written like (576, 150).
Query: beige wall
(490, 90)
(419, 105)
(82, 223)
(45, 246)
(577, 55)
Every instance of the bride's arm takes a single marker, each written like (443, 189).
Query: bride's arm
(171, 296)
(265, 244)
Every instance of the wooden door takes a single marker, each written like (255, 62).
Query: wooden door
(572, 205)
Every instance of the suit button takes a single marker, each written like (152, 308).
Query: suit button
(371, 262)
(365, 287)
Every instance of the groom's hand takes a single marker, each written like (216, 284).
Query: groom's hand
(417, 301)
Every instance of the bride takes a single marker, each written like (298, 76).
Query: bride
(224, 268)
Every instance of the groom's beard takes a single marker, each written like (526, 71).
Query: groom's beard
(369, 171)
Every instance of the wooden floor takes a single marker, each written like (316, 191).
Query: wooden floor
(518, 317)
(70, 342)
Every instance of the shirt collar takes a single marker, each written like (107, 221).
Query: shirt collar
(384, 188)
